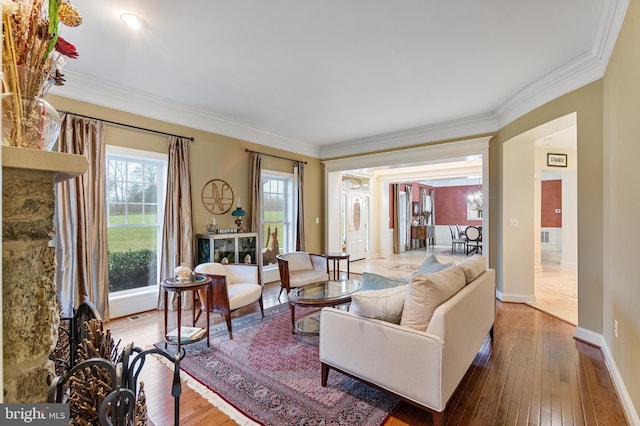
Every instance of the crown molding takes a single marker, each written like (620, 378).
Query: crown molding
(571, 76)
(411, 156)
(580, 71)
(99, 92)
(465, 127)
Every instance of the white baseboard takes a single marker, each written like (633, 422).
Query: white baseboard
(131, 303)
(589, 337)
(515, 297)
(625, 399)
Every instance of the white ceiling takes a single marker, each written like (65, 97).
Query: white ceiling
(327, 78)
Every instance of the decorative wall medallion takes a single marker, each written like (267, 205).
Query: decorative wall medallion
(217, 196)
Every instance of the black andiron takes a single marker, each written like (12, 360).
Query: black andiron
(99, 384)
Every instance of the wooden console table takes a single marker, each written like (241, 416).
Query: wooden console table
(426, 233)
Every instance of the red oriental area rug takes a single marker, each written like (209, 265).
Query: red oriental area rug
(273, 376)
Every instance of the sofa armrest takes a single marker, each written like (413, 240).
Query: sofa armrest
(463, 322)
(402, 360)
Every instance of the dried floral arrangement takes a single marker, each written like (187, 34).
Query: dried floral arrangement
(33, 54)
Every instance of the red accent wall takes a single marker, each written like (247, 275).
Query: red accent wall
(415, 196)
(551, 199)
(451, 204)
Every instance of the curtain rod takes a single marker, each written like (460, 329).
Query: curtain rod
(276, 156)
(128, 125)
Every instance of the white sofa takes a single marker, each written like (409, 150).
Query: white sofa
(420, 367)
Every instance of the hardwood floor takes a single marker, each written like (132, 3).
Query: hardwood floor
(534, 373)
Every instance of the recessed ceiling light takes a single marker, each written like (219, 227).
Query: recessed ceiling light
(133, 21)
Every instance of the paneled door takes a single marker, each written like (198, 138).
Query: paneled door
(357, 214)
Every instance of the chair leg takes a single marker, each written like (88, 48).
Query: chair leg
(227, 317)
(280, 294)
(261, 306)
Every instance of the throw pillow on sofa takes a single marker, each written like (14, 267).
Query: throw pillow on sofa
(432, 264)
(376, 282)
(299, 261)
(428, 291)
(385, 304)
(473, 267)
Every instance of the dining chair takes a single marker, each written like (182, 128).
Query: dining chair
(473, 240)
(456, 241)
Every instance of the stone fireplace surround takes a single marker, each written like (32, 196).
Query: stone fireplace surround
(29, 312)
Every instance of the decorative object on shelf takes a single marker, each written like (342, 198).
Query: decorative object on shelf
(217, 196)
(183, 273)
(211, 227)
(247, 259)
(238, 213)
(424, 217)
(32, 57)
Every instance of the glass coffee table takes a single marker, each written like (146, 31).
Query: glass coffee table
(321, 294)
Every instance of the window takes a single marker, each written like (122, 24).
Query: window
(278, 231)
(135, 200)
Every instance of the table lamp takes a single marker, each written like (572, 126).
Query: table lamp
(238, 213)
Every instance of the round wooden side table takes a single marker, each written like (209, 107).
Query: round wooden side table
(197, 282)
(336, 258)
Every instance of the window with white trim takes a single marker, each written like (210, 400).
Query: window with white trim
(135, 203)
(278, 231)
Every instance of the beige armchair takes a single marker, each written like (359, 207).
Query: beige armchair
(233, 286)
(299, 268)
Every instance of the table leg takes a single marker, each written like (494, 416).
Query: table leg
(166, 314)
(347, 268)
(193, 307)
(293, 317)
(207, 289)
(179, 309)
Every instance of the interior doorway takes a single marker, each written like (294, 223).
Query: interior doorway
(441, 161)
(540, 226)
(357, 224)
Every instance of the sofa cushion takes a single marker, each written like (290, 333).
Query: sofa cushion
(432, 264)
(473, 267)
(302, 278)
(426, 292)
(299, 261)
(385, 304)
(376, 282)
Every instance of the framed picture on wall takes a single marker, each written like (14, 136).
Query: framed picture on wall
(556, 160)
(416, 208)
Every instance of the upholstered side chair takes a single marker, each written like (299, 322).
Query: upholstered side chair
(233, 286)
(299, 268)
